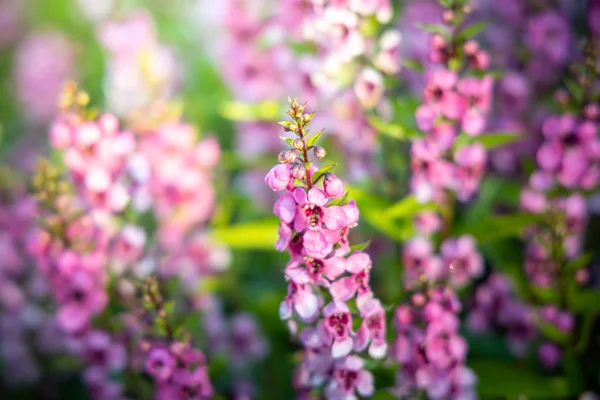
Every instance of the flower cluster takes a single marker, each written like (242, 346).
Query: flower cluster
(452, 104)
(140, 71)
(428, 346)
(27, 328)
(550, 353)
(495, 305)
(459, 264)
(178, 370)
(430, 349)
(326, 278)
(89, 245)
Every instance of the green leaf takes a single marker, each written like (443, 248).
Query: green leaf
(372, 210)
(497, 227)
(472, 30)
(490, 141)
(551, 332)
(580, 262)
(434, 28)
(313, 140)
(587, 300)
(360, 246)
(408, 208)
(289, 141)
(260, 235)
(392, 130)
(321, 172)
(239, 111)
(413, 64)
(506, 379)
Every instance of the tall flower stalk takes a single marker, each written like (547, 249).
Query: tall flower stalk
(448, 164)
(328, 281)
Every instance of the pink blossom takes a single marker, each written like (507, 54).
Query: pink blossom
(463, 261)
(337, 328)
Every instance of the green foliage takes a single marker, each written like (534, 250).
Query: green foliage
(393, 130)
(472, 30)
(258, 235)
(434, 28)
(502, 379)
(496, 227)
(320, 173)
(263, 111)
(490, 141)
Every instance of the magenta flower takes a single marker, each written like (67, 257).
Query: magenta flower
(80, 298)
(372, 329)
(160, 364)
(359, 265)
(336, 328)
(420, 262)
(350, 377)
(463, 261)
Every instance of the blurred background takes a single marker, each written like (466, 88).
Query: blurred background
(227, 67)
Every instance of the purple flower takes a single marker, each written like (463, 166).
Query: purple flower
(463, 261)
(160, 363)
(350, 377)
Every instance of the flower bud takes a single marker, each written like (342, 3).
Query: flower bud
(319, 152)
(290, 156)
(298, 171)
(279, 177)
(334, 187)
(281, 157)
(299, 144)
(470, 47)
(438, 42)
(448, 16)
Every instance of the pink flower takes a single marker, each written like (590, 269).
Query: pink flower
(368, 88)
(471, 161)
(336, 328)
(419, 261)
(160, 364)
(301, 298)
(359, 265)
(388, 58)
(334, 186)
(80, 298)
(372, 329)
(350, 377)
(462, 259)
(192, 385)
(279, 177)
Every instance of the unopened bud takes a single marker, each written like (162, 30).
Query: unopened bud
(298, 171)
(281, 157)
(290, 156)
(319, 152)
(438, 42)
(448, 16)
(299, 144)
(470, 47)
(307, 118)
(592, 111)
